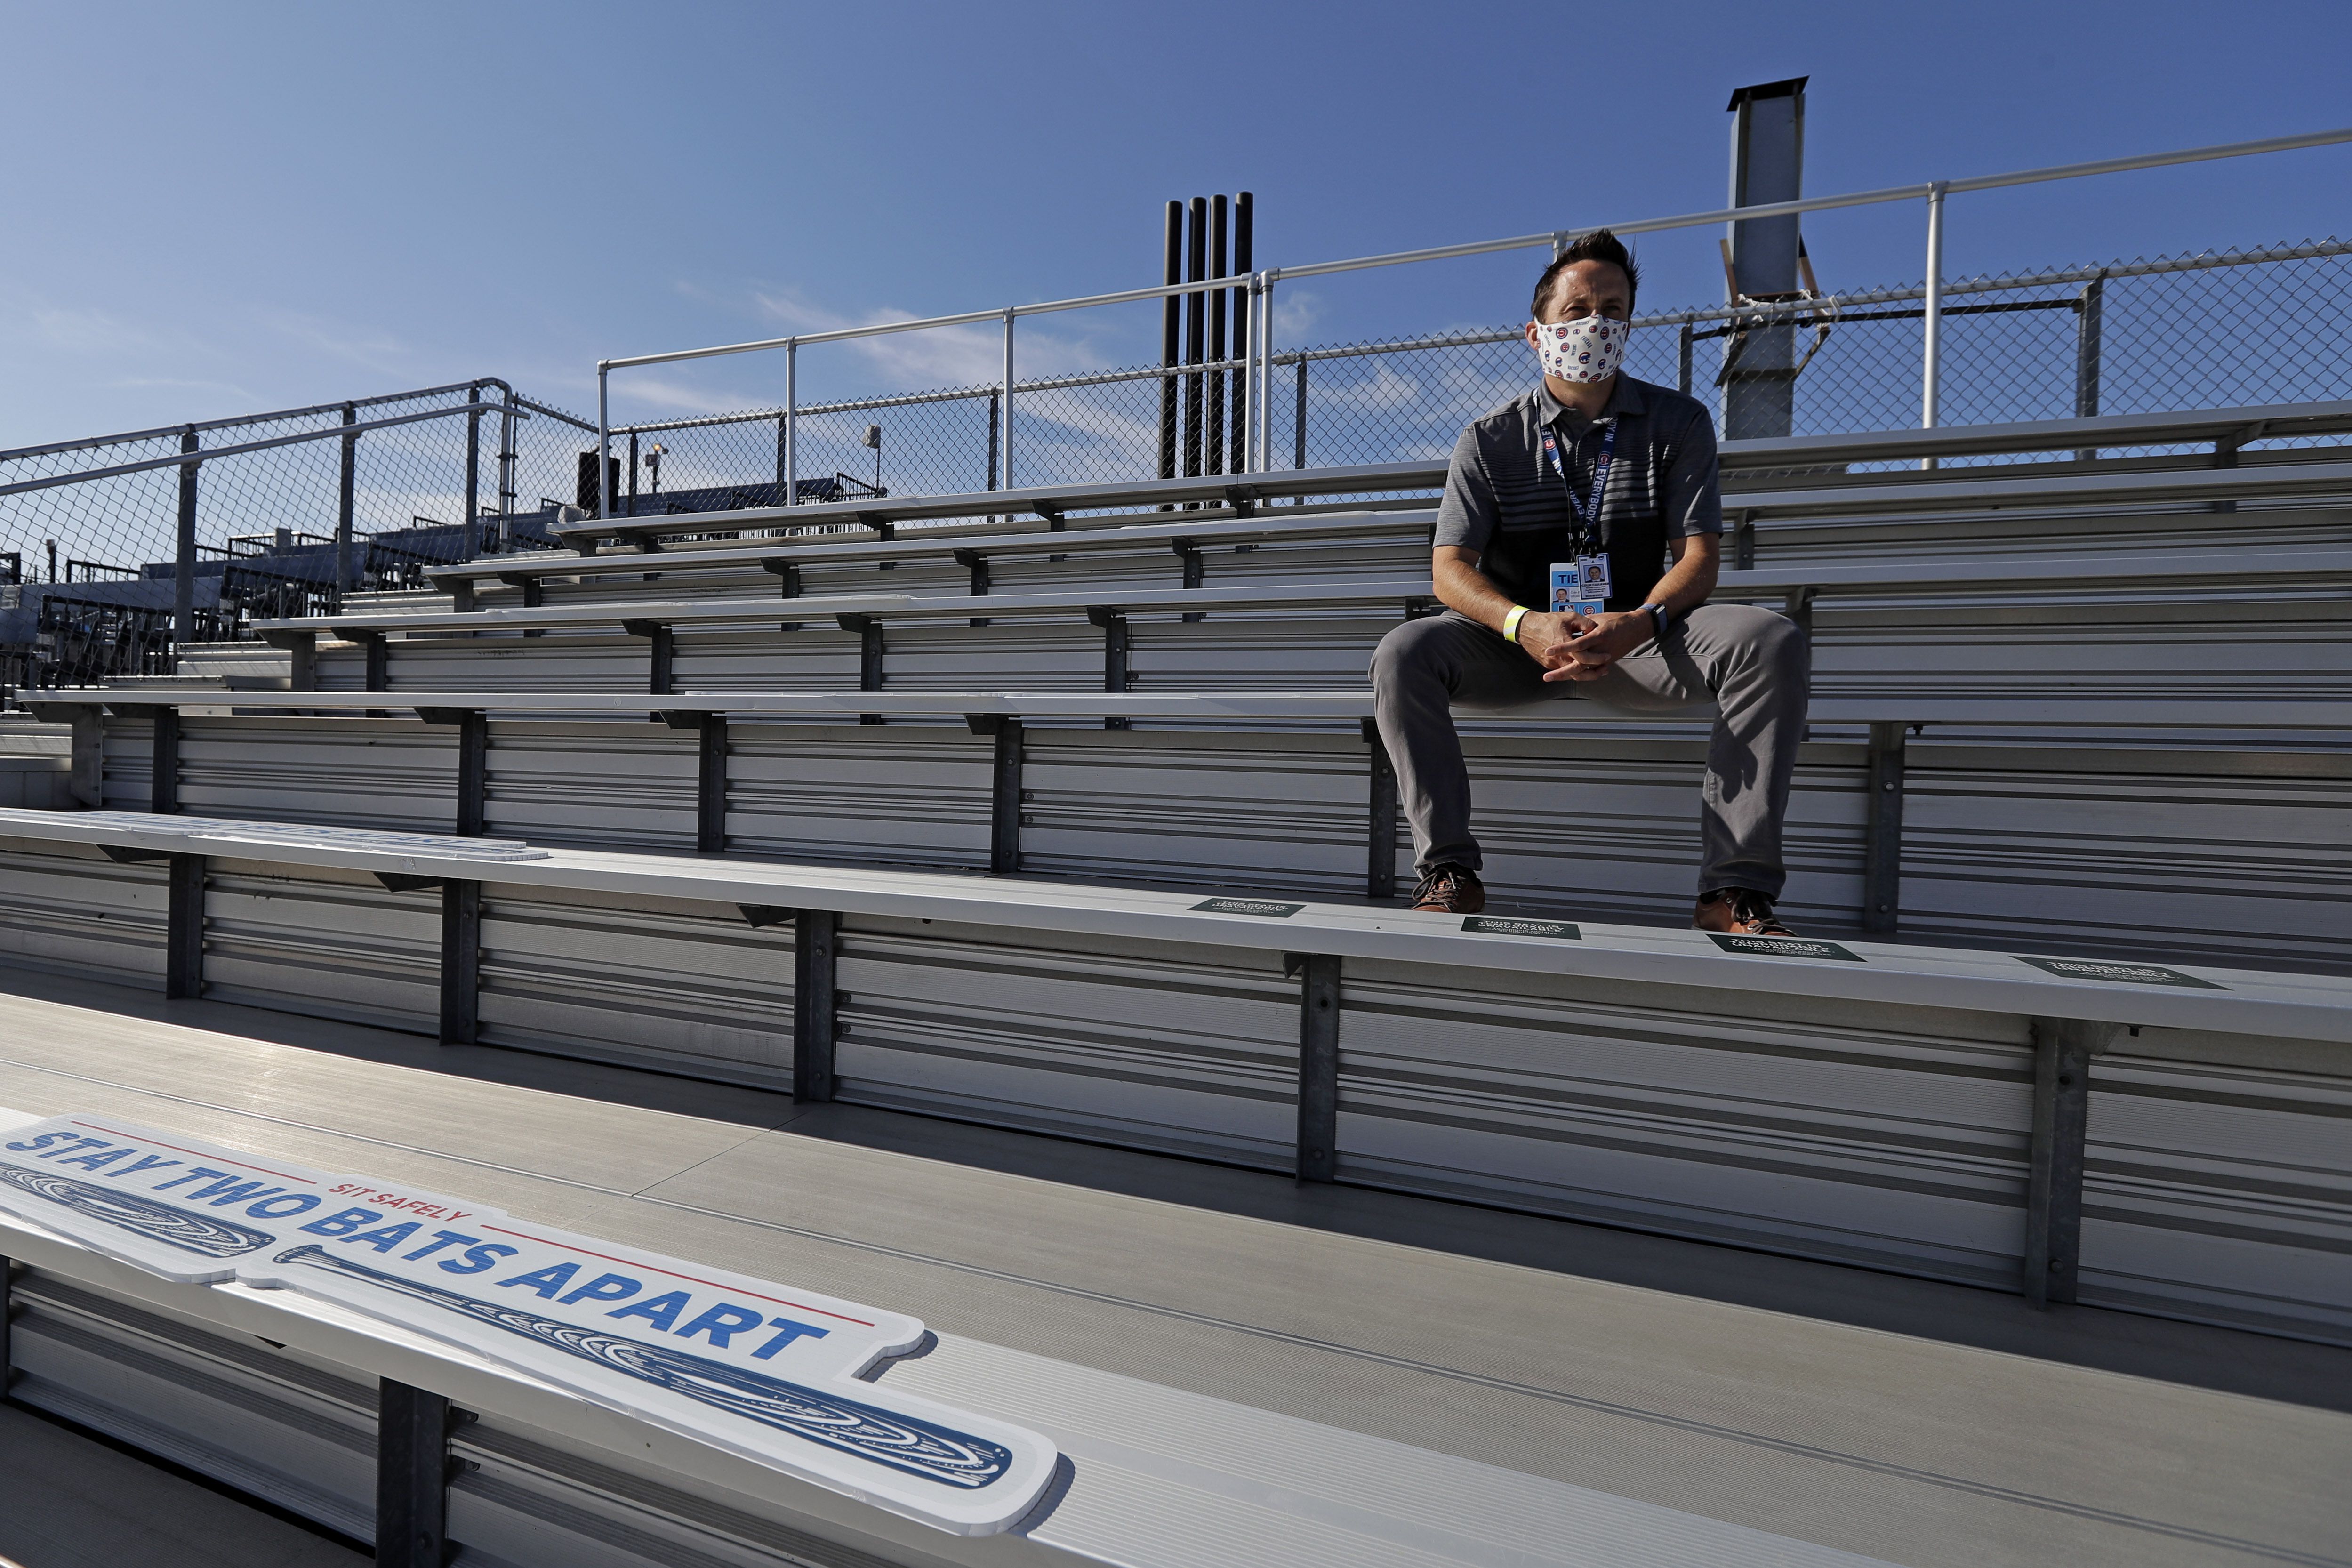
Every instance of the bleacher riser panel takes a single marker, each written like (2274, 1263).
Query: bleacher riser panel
(624, 784)
(268, 1420)
(325, 944)
(2129, 850)
(893, 794)
(1190, 1050)
(1848, 540)
(2220, 1189)
(1884, 1135)
(68, 908)
(680, 987)
(285, 1427)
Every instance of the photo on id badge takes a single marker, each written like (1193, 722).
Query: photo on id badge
(1580, 587)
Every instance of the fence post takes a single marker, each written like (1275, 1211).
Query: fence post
(779, 458)
(1008, 397)
(792, 421)
(604, 442)
(1931, 346)
(2089, 313)
(183, 568)
(1682, 363)
(993, 413)
(506, 464)
(346, 577)
(1298, 455)
(469, 537)
(633, 473)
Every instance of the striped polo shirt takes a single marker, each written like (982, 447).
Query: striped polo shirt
(1503, 500)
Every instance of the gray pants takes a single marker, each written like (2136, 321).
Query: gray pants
(1750, 663)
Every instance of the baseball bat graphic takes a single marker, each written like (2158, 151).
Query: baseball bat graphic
(140, 1215)
(904, 1443)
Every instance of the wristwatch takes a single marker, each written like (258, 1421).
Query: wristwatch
(1658, 614)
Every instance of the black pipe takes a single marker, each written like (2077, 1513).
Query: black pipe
(1242, 204)
(1213, 445)
(1195, 323)
(1171, 340)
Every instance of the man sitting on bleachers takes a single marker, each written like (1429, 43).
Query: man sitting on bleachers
(1589, 483)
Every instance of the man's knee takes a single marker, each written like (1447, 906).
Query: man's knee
(1773, 641)
(1414, 650)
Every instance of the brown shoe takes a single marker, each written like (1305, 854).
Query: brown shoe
(1450, 891)
(1743, 912)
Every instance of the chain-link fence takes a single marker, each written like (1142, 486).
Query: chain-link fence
(2051, 345)
(289, 512)
(283, 512)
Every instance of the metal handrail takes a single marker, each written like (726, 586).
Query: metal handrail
(207, 454)
(1258, 287)
(163, 432)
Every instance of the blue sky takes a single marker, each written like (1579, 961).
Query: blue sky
(220, 209)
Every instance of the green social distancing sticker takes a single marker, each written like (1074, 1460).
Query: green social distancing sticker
(1503, 925)
(2110, 973)
(1782, 947)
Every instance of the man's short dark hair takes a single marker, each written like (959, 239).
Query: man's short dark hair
(1599, 246)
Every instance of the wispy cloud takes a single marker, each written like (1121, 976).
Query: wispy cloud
(369, 347)
(969, 355)
(82, 329)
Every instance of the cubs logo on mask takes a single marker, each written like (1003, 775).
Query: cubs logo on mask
(1582, 350)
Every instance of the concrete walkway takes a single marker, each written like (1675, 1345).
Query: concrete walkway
(1923, 1423)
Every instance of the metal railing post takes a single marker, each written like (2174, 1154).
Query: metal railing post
(184, 566)
(1931, 363)
(2089, 330)
(469, 537)
(506, 464)
(791, 423)
(346, 575)
(604, 441)
(1008, 397)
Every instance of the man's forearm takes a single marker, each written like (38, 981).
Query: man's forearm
(1686, 584)
(1462, 587)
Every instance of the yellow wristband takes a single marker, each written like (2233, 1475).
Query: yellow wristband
(1511, 623)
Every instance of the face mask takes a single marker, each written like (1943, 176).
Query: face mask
(1587, 350)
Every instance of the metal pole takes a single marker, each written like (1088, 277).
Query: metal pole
(1244, 338)
(183, 568)
(604, 445)
(791, 423)
(1265, 376)
(633, 473)
(469, 537)
(1172, 340)
(2089, 328)
(1196, 269)
(1298, 430)
(1213, 449)
(1931, 364)
(506, 464)
(346, 577)
(1008, 397)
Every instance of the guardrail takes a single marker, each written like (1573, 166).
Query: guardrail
(1256, 370)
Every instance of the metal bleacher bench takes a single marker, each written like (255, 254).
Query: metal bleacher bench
(1944, 1095)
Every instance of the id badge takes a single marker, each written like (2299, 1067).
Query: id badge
(1580, 587)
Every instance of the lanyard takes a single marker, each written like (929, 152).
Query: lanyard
(1588, 526)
